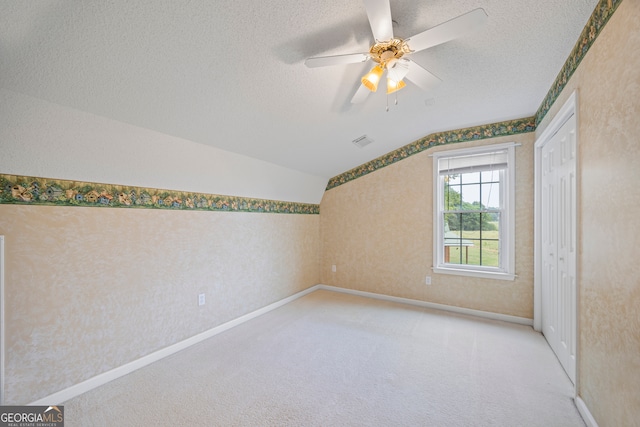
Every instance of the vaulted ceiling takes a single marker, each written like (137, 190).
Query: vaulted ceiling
(231, 74)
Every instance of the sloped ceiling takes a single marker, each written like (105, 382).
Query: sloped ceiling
(231, 74)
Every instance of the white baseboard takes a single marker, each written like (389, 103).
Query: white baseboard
(77, 389)
(101, 379)
(450, 308)
(584, 412)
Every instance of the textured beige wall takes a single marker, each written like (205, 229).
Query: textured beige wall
(608, 84)
(90, 289)
(378, 229)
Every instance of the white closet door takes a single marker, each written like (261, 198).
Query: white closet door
(559, 244)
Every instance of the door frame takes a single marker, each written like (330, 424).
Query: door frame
(569, 108)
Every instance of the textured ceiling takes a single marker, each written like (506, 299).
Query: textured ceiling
(230, 74)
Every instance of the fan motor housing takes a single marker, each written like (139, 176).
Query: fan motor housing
(382, 52)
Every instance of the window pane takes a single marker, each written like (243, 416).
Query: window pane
(453, 255)
(490, 176)
(453, 179)
(490, 245)
(470, 197)
(490, 255)
(472, 239)
(452, 197)
(470, 223)
(491, 223)
(472, 191)
(470, 178)
(491, 195)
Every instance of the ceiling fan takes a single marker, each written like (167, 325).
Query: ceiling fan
(390, 52)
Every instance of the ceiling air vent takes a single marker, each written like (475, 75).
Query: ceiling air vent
(363, 141)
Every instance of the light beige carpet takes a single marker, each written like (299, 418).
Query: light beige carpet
(332, 359)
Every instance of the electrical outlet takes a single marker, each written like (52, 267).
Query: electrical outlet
(201, 299)
(428, 280)
(333, 268)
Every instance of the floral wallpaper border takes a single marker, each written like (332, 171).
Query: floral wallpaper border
(599, 18)
(44, 191)
(512, 127)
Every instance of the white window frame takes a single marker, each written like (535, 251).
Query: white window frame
(506, 269)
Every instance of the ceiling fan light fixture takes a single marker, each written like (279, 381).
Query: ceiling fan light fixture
(372, 78)
(397, 69)
(389, 52)
(394, 86)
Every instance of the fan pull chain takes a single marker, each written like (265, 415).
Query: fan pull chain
(395, 103)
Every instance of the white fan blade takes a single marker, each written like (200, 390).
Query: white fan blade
(379, 14)
(361, 95)
(456, 27)
(324, 61)
(421, 77)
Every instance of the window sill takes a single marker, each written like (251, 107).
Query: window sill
(475, 273)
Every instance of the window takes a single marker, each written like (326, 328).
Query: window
(474, 211)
